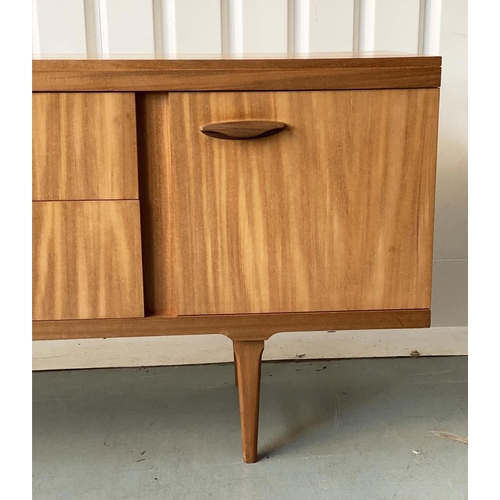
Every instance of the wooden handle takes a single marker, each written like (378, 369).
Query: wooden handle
(244, 129)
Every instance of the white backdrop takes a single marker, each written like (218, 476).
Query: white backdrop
(157, 28)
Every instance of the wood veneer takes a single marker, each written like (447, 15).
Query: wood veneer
(157, 215)
(247, 359)
(86, 260)
(332, 71)
(84, 146)
(305, 220)
(235, 326)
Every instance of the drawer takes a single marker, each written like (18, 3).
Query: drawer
(84, 146)
(334, 212)
(87, 260)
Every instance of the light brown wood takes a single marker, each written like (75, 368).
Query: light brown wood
(334, 213)
(84, 146)
(277, 60)
(331, 71)
(248, 356)
(236, 327)
(86, 260)
(157, 215)
(235, 368)
(242, 129)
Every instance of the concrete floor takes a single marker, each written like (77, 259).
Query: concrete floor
(346, 429)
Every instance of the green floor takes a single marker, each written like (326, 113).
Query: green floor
(348, 429)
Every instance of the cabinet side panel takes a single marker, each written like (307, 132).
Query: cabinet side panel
(155, 189)
(86, 260)
(428, 100)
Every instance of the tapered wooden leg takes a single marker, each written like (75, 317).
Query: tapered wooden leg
(235, 368)
(247, 355)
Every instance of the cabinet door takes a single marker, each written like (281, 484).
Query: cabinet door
(86, 260)
(84, 146)
(333, 213)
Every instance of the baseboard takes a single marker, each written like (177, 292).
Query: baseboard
(205, 349)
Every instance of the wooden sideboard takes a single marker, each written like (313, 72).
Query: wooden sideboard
(244, 197)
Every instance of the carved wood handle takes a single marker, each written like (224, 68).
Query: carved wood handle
(244, 129)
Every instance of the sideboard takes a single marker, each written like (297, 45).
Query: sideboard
(238, 196)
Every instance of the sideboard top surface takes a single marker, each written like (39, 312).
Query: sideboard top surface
(361, 70)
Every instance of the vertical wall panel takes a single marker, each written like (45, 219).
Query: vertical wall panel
(364, 17)
(35, 36)
(451, 189)
(225, 20)
(330, 25)
(198, 27)
(265, 26)
(397, 25)
(127, 27)
(61, 27)
(168, 27)
(432, 27)
(299, 41)
(93, 28)
(233, 12)
(160, 43)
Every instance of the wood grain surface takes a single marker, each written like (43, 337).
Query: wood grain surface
(247, 358)
(333, 213)
(157, 216)
(86, 260)
(237, 327)
(84, 146)
(330, 71)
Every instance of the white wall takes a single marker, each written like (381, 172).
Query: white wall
(156, 28)
(113, 28)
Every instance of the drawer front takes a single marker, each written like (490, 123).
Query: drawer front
(84, 146)
(335, 212)
(87, 260)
